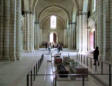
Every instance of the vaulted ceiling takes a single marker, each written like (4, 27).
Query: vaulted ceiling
(60, 8)
(39, 5)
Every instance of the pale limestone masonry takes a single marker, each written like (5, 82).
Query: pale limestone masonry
(111, 26)
(100, 25)
(12, 31)
(6, 29)
(84, 32)
(31, 32)
(25, 25)
(1, 28)
(9, 25)
(74, 35)
(71, 36)
(16, 36)
(80, 33)
(104, 29)
(36, 36)
(18, 30)
(77, 33)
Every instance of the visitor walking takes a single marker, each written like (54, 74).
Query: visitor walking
(95, 57)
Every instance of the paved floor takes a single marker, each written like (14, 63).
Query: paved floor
(49, 68)
(14, 73)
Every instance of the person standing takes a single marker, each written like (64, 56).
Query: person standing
(96, 54)
(49, 47)
(46, 44)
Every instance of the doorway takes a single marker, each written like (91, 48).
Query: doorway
(53, 37)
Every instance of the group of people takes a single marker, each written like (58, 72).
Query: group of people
(59, 46)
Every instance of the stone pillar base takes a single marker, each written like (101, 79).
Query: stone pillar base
(13, 58)
(2, 58)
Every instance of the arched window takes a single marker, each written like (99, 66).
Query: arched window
(53, 21)
(94, 5)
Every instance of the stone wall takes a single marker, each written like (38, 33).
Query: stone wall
(10, 28)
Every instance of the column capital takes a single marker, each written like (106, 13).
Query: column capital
(36, 22)
(72, 22)
(27, 12)
(82, 13)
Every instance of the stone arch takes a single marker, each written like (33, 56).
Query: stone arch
(91, 33)
(54, 32)
(65, 12)
(47, 17)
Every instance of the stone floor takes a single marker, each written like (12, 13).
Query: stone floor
(48, 68)
(14, 73)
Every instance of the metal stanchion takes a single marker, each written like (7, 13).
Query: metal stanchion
(27, 80)
(81, 59)
(36, 69)
(101, 67)
(84, 60)
(83, 84)
(34, 73)
(55, 81)
(87, 61)
(109, 74)
(91, 62)
(38, 65)
(31, 79)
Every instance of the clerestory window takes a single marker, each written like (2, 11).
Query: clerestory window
(53, 21)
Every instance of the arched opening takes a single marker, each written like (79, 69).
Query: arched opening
(91, 34)
(53, 37)
(91, 39)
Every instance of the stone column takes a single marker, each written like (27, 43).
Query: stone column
(26, 32)
(84, 31)
(40, 36)
(70, 36)
(65, 37)
(80, 32)
(100, 25)
(12, 45)
(1, 27)
(6, 29)
(36, 33)
(69, 30)
(111, 26)
(31, 32)
(38, 29)
(73, 36)
(77, 33)
(18, 30)
(106, 31)
(35, 36)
